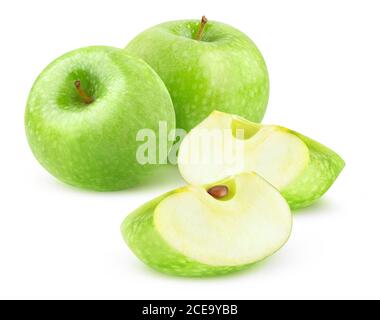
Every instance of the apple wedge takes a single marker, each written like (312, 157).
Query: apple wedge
(210, 230)
(224, 145)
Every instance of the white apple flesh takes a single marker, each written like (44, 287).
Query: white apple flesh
(299, 167)
(189, 232)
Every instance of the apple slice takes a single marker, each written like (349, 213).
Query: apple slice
(211, 230)
(224, 145)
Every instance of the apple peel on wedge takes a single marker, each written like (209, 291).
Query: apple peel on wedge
(189, 232)
(224, 145)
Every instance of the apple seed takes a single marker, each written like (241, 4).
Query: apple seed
(218, 192)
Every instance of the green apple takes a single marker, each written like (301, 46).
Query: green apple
(210, 230)
(224, 145)
(84, 112)
(206, 66)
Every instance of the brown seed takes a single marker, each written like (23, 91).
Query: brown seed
(218, 192)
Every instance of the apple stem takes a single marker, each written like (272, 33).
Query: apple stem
(218, 192)
(201, 29)
(86, 98)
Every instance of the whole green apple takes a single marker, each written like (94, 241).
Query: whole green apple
(224, 145)
(210, 230)
(84, 112)
(206, 66)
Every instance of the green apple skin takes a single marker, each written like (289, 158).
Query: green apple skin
(93, 146)
(224, 71)
(146, 243)
(323, 169)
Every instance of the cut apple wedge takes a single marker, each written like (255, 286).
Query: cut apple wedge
(224, 145)
(211, 230)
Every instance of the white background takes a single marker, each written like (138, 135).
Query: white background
(324, 63)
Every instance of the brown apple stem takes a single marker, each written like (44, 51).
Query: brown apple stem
(218, 192)
(201, 28)
(86, 98)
